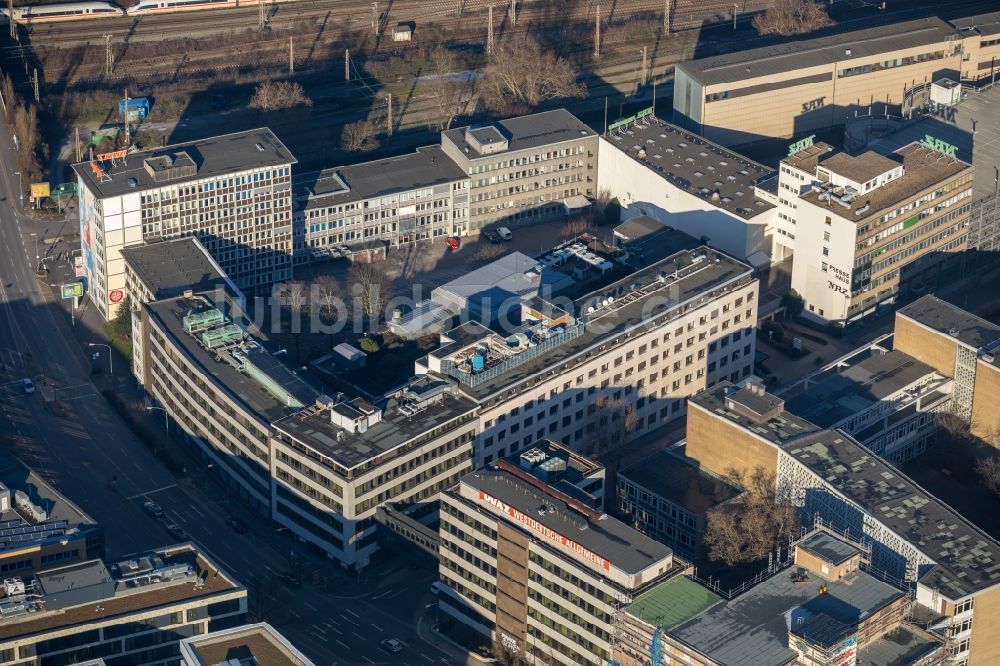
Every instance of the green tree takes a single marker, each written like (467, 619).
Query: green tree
(121, 325)
(793, 303)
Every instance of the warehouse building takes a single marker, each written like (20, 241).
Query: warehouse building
(233, 192)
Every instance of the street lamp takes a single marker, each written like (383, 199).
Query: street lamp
(735, 10)
(111, 363)
(20, 189)
(166, 422)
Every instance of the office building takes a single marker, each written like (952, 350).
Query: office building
(911, 536)
(661, 171)
(615, 363)
(811, 85)
(542, 575)
(39, 528)
(248, 645)
(233, 192)
(394, 201)
(828, 610)
(131, 612)
(874, 229)
(980, 36)
(525, 170)
(668, 498)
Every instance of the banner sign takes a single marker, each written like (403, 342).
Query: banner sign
(549, 534)
(631, 119)
(72, 290)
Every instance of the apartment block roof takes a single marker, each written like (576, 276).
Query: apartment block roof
(680, 481)
(706, 170)
(860, 168)
(752, 629)
(170, 267)
(205, 158)
(16, 476)
(428, 166)
(254, 644)
(673, 602)
(624, 547)
(858, 387)
(778, 430)
(240, 386)
(702, 275)
(314, 427)
(923, 168)
(952, 320)
(819, 51)
(77, 594)
(967, 559)
(526, 132)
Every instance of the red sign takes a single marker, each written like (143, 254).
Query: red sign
(102, 157)
(549, 534)
(116, 295)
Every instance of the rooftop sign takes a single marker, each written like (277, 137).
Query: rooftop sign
(118, 154)
(549, 534)
(940, 146)
(648, 111)
(801, 145)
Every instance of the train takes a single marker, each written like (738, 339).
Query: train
(164, 6)
(63, 11)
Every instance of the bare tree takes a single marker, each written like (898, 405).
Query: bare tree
(577, 227)
(792, 17)
(988, 470)
(520, 71)
(274, 95)
(329, 290)
(371, 284)
(487, 252)
(360, 136)
(747, 529)
(449, 89)
(263, 599)
(609, 421)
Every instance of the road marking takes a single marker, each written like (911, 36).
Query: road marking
(368, 660)
(334, 629)
(356, 616)
(345, 645)
(377, 627)
(294, 613)
(269, 568)
(347, 619)
(195, 509)
(319, 636)
(316, 627)
(311, 607)
(426, 657)
(381, 594)
(150, 492)
(354, 633)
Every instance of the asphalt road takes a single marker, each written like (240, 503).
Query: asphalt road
(334, 618)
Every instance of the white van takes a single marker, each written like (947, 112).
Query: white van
(29, 387)
(504, 233)
(435, 587)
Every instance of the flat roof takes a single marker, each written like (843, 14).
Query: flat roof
(127, 597)
(967, 559)
(170, 267)
(213, 156)
(860, 168)
(526, 132)
(624, 547)
(807, 158)
(858, 387)
(923, 168)
(982, 24)
(828, 548)
(828, 50)
(903, 646)
(495, 282)
(681, 481)
(314, 428)
(715, 274)
(943, 317)
(778, 430)
(673, 602)
(15, 475)
(240, 386)
(716, 175)
(752, 629)
(258, 642)
(428, 166)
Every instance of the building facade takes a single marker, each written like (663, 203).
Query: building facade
(525, 170)
(520, 566)
(873, 229)
(233, 192)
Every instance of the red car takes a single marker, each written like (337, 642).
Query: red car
(452, 243)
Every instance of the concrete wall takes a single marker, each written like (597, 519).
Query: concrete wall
(937, 350)
(719, 444)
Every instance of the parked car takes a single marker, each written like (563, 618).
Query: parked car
(291, 579)
(153, 509)
(29, 386)
(177, 532)
(453, 243)
(492, 236)
(436, 587)
(505, 233)
(391, 645)
(238, 525)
